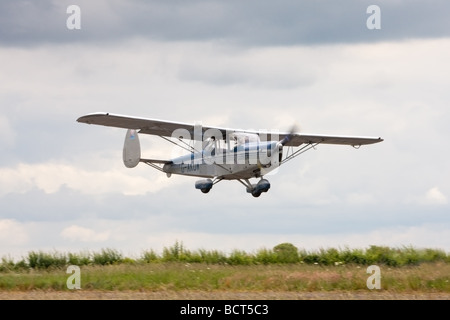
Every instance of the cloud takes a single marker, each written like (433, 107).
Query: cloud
(432, 197)
(246, 64)
(7, 134)
(435, 197)
(77, 233)
(419, 236)
(51, 177)
(273, 68)
(361, 198)
(25, 23)
(12, 233)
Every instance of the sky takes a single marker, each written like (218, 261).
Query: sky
(328, 67)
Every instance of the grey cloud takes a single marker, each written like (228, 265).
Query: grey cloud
(220, 70)
(241, 22)
(195, 216)
(204, 216)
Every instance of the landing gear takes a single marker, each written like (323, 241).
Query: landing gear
(263, 185)
(256, 194)
(205, 185)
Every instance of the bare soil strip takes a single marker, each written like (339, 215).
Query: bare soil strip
(219, 295)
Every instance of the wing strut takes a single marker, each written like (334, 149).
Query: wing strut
(303, 149)
(190, 148)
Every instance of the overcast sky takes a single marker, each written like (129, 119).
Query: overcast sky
(245, 64)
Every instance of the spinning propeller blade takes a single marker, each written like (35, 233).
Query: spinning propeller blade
(287, 138)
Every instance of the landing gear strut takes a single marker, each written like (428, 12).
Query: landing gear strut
(263, 185)
(205, 185)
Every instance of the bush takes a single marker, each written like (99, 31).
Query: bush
(266, 256)
(42, 260)
(282, 253)
(383, 255)
(174, 253)
(82, 259)
(286, 253)
(355, 256)
(213, 257)
(239, 257)
(107, 256)
(149, 256)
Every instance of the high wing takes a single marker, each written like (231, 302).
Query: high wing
(298, 139)
(166, 128)
(148, 126)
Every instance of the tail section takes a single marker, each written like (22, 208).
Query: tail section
(131, 149)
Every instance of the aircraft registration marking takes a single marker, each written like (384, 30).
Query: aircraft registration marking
(189, 167)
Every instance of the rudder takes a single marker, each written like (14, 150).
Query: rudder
(131, 149)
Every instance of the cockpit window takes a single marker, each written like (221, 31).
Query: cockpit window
(241, 138)
(210, 145)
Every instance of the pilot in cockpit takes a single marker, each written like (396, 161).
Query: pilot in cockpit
(210, 146)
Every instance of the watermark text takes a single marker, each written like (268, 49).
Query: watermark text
(73, 22)
(374, 281)
(74, 280)
(374, 20)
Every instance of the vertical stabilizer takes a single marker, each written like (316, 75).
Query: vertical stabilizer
(131, 149)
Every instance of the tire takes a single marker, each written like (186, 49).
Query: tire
(256, 194)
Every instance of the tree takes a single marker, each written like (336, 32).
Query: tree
(286, 253)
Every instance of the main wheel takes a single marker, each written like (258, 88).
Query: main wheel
(205, 190)
(256, 194)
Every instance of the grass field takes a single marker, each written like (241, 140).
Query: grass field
(269, 274)
(177, 280)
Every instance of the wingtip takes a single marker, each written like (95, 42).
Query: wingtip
(84, 118)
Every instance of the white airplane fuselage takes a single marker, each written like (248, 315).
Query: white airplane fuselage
(241, 162)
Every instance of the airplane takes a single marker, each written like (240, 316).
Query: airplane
(216, 153)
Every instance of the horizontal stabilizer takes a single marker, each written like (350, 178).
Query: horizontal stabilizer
(157, 161)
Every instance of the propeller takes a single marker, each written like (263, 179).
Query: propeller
(289, 136)
(275, 157)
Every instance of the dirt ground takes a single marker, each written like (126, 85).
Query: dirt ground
(218, 295)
